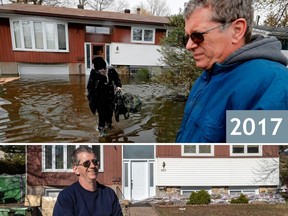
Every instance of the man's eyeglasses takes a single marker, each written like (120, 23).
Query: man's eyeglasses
(87, 163)
(197, 37)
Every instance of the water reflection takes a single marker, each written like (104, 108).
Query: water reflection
(42, 109)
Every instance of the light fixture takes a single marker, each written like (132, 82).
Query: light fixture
(163, 165)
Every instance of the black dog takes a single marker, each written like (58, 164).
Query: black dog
(120, 107)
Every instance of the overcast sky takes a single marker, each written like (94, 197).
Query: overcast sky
(174, 5)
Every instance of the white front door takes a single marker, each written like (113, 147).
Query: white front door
(139, 180)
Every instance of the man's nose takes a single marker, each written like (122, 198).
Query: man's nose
(191, 45)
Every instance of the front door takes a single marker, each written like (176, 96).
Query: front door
(92, 51)
(139, 180)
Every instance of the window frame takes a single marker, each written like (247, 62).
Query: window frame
(187, 190)
(66, 160)
(143, 34)
(32, 21)
(197, 153)
(245, 153)
(237, 190)
(104, 30)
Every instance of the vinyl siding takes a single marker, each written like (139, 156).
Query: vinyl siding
(135, 54)
(220, 151)
(218, 171)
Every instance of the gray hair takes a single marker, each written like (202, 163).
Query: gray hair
(225, 11)
(80, 149)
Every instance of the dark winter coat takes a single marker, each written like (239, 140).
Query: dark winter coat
(100, 89)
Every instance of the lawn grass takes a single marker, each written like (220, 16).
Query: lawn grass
(225, 210)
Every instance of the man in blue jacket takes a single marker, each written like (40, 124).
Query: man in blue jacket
(241, 71)
(86, 197)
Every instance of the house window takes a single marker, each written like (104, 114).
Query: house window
(246, 150)
(27, 34)
(52, 192)
(237, 190)
(143, 35)
(39, 36)
(187, 190)
(151, 174)
(17, 36)
(138, 151)
(57, 158)
(126, 170)
(98, 30)
(197, 150)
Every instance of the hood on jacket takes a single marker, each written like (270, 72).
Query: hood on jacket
(259, 47)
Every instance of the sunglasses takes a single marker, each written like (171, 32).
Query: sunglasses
(198, 37)
(87, 163)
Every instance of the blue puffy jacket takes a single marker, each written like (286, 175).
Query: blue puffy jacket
(255, 77)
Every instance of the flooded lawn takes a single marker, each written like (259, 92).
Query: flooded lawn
(39, 109)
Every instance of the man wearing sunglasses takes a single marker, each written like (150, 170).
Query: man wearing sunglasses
(86, 197)
(241, 71)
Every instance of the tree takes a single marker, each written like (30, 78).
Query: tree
(14, 160)
(158, 8)
(10, 149)
(182, 71)
(284, 169)
(119, 6)
(99, 5)
(37, 2)
(283, 164)
(271, 20)
(278, 11)
(14, 153)
(105, 5)
(154, 8)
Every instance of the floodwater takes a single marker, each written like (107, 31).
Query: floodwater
(55, 110)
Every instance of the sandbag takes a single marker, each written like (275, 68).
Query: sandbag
(133, 102)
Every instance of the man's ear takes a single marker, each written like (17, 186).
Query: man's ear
(75, 170)
(239, 27)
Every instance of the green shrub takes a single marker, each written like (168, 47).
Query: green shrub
(285, 196)
(143, 73)
(241, 199)
(200, 197)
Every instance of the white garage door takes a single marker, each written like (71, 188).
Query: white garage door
(29, 69)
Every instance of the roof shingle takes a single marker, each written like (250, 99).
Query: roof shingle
(72, 13)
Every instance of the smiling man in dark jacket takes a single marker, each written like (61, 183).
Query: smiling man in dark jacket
(86, 197)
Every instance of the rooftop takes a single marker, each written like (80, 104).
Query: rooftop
(80, 14)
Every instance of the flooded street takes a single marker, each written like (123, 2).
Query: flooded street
(46, 110)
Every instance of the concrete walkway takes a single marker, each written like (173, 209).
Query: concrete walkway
(141, 211)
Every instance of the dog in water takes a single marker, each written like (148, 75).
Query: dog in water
(125, 104)
(120, 107)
